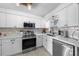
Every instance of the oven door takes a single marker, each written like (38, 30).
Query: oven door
(28, 43)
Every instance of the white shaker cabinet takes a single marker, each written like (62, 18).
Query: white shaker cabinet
(40, 23)
(15, 21)
(6, 47)
(49, 45)
(20, 20)
(11, 46)
(72, 15)
(61, 16)
(39, 40)
(2, 19)
(45, 41)
(18, 45)
(11, 20)
(0, 48)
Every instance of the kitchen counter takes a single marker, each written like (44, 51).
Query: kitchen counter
(71, 41)
(13, 37)
(10, 37)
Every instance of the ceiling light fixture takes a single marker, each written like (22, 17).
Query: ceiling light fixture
(28, 5)
(18, 4)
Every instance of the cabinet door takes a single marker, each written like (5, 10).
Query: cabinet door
(11, 46)
(61, 18)
(11, 20)
(72, 13)
(20, 21)
(39, 39)
(44, 41)
(2, 20)
(40, 23)
(17, 46)
(49, 45)
(0, 48)
(15, 21)
(7, 48)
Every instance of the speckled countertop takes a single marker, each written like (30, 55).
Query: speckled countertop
(71, 41)
(10, 37)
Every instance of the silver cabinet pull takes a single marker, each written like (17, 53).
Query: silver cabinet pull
(12, 41)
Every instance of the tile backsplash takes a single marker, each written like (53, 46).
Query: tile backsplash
(14, 31)
(74, 31)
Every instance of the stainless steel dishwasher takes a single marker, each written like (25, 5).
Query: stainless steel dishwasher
(62, 49)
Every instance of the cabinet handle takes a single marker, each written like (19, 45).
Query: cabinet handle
(0, 45)
(46, 39)
(12, 42)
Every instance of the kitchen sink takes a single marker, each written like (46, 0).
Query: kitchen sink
(51, 34)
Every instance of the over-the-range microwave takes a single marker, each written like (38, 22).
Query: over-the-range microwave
(31, 25)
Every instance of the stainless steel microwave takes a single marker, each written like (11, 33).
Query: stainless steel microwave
(31, 25)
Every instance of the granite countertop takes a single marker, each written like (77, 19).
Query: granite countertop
(9, 37)
(17, 36)
(71, 41)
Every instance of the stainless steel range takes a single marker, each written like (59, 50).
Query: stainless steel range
(29, 38)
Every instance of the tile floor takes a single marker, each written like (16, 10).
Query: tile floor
(36, 52)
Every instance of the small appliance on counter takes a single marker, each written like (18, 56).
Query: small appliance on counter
(0, 34)
(66, 34)
(60, 32)
(63, 33)
(44, 30)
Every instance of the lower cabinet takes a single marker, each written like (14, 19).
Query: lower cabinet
(39, 40)
(11, 46)
(0, 50)
(77, 51)
(49, 45)
(45, 41)
(0, 47)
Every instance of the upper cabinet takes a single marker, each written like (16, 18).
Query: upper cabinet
(67, 14)
(40, 23)
(2, 19)
(72, 15)
(15, 21)
(61, 16)
(11, 20)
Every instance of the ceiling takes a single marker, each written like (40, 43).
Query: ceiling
(39, 9)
